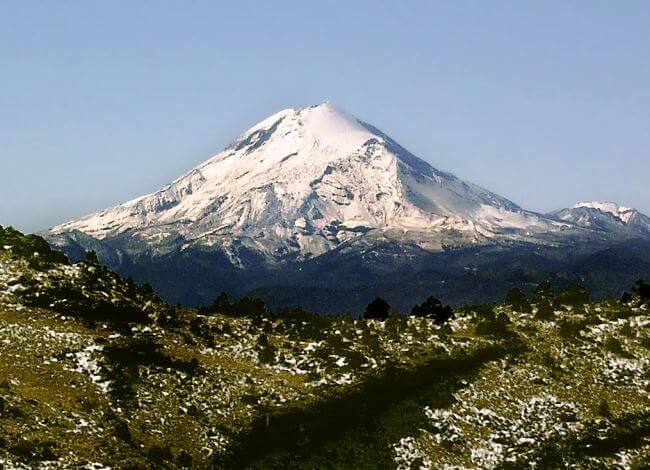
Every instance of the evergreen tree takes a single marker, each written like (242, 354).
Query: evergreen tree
(642, 289)
(544, 310)
(433, 308)
(249, 306)
(543, 291)
(574, 295)
(219, 305)
(378, 309)
(517, 300)
(91, 257)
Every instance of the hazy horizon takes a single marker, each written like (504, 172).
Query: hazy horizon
(543, 104)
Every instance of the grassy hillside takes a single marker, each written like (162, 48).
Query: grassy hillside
(97, 371)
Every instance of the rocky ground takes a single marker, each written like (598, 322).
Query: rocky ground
(98, 372)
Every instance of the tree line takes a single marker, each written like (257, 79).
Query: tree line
(544, 301)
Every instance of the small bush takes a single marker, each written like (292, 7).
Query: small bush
(573, 296)
(517, 300)
(433, 308)
(493, 324)
(544, 311)
(378, 309)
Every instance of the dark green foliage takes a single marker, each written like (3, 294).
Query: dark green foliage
(517, 300)
(570, 328)
(33, 451)
(544, 311)
(573, 296)
(377, 309)
(304, 325)
(84, 299)
(249, 306)
(493, 324)
(642, 289)
(265, 350)
(127, 354)
(221, 304)
(183, 459)
(246, 306)
(480, 309)
(31, 247)
(121, 431)
(614, 345)
(160, 454)
(92, 258)
(640, 292)
(543, 291)
(433, 308)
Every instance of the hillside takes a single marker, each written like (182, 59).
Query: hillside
(97, 371)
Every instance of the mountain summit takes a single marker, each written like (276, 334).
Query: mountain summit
(302, 182)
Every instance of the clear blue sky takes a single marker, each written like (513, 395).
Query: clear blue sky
(546, 103)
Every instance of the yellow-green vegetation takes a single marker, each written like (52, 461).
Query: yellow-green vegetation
(96, 372)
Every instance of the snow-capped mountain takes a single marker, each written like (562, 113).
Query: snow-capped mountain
(313, 201)
(606, 217)
(301, 183)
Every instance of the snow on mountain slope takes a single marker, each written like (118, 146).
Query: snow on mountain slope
(302, 182)
(620, 212)
(605, 216)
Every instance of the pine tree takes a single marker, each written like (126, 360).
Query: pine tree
(91, 257)
(574, 295)
(517, 300)
(642, 289)
(433, 308)
(544, 310)
(543, 291)
(378, 309)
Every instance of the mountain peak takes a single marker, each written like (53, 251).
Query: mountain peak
(305, 181)
(621, 212)
(605, 216)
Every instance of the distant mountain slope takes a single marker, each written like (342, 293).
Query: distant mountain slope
(606, 217)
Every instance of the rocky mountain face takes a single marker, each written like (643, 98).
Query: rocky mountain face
(606, 217)
(315, 198)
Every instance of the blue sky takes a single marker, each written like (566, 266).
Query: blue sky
(546, 103)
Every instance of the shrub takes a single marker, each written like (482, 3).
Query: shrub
(377, 309)
(543, 291)
(265, 350)
(433, 308)
(305, 325)
(184, 459)
(544, 311)
(574, 296)
(492, 324)
(516, 299)
(642, 290)
(160, 454)
(246, 306)
(570, 328)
